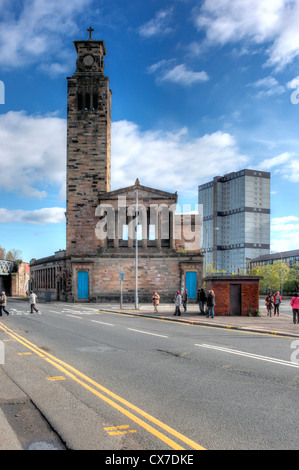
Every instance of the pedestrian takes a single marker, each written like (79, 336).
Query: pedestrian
(156, 301)
(3, 304)
(211, 303)
(295, 307)
(269, 303)
(185, 299)
(32, 302)
(202, 298)
(277, 302)
(177, 302)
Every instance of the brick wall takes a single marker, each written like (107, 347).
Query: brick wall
(221, 288)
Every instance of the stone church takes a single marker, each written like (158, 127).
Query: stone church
(132, 233)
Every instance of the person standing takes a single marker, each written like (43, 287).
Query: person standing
(211, 303)
(202, 298)
(32, 301)
(269, 303)
(295, 307)
(3, 304)
(177, 302)
(277, 302)
(156, 301)
(185, 300)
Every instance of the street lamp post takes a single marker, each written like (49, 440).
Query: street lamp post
(121, 275)
(136, 251)
(207, 246)
(281, 272)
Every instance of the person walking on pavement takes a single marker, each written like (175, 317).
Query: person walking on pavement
(295, 307)
(269, 303)
(156, 301)
(211, 303)
(277, 302)
(177, 302)
(185, 300)
(3, 304)
(32, 302)
(202, 298)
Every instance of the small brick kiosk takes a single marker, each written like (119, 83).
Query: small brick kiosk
(234, 294)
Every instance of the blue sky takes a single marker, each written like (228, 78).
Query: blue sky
(199, 89)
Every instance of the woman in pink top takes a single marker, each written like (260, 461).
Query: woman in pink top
(295, 307)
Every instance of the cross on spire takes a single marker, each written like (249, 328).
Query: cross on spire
(90, 30)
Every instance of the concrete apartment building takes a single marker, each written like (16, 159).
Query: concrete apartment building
(289, 258)
(236, 219)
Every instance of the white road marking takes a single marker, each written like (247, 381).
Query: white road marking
(147, 333)
(250, 355)
(102, 323)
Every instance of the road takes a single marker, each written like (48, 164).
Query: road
(114, 381)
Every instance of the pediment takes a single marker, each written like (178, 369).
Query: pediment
(144, 192)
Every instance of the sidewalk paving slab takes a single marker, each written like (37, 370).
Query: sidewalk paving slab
(281, 325)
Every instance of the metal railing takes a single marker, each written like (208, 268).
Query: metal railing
(6, 267)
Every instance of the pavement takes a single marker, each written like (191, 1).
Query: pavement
(280, 326)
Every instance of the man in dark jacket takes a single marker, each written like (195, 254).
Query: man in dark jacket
(211, 303)
(202, 298)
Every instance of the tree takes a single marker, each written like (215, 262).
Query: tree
(14, 255)
(274, 276)
(291, 285)
(11, 255)
(2, 252)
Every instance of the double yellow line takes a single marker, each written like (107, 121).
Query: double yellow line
(111, 398)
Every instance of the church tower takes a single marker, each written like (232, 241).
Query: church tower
(88, 145)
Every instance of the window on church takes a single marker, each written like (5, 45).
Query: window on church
(87, 101)
(125, 233)
(152, 232)
(80, 102)
(95, 101)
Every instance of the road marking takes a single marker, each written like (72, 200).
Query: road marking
(117, 430)
(102, 323)
(70, 371)
(250, 355)
(58, 377)
(73, 316)
(147, 333)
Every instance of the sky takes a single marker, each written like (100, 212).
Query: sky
(200, 88)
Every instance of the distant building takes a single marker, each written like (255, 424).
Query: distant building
(14, 278)
(290, 258)
(236, 219)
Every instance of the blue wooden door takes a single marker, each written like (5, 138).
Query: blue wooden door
(83, 290)
(191, 284)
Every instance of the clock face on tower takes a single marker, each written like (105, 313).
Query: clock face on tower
(88, 60)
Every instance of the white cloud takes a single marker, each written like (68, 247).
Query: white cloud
(33, 150)
(179, 74)
(51, 215)
(268, 86)
(157, 26)
(170, 161)
(273, 24)
(287, 163)
(35, 33)
(284, 233)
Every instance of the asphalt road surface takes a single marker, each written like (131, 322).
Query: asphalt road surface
(119, 382)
